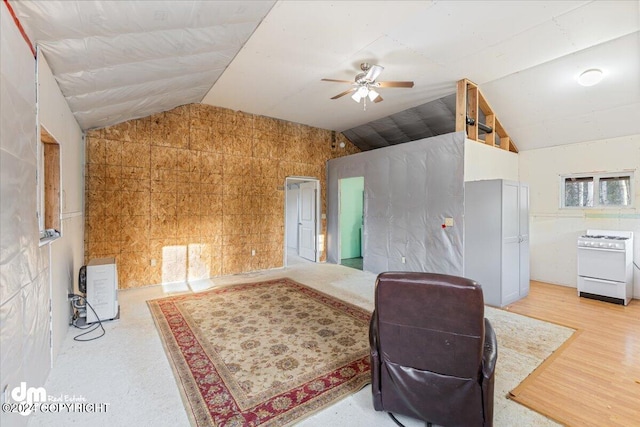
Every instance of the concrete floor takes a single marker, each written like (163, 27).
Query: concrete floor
(128, 368)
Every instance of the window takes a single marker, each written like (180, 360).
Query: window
(49, 185)
(596, 190)
(615, 191)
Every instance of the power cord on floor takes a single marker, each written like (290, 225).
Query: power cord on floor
(399, 424)
(395, 420)
(76, 301)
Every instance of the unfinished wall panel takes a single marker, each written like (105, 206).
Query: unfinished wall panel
(188, 194)
(24, 274)
(36, 334)
(11, 351)
(409, 191)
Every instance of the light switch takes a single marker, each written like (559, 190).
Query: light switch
(448, 222)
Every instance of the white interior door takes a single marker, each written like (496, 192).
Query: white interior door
(307, 224)
(292, 218)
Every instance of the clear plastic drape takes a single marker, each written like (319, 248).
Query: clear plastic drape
(116, 61)
(24, 266)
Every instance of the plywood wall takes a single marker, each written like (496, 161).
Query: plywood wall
(189, 193)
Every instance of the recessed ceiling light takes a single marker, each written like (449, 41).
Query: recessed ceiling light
(590, 77)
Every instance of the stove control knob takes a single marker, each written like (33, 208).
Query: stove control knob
(612, 245)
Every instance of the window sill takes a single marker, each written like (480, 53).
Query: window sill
(598, 208)
(47, 240)
(48, 236)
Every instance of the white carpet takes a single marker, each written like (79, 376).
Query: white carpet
(128, 368)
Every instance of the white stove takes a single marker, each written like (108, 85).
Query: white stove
(605, 265)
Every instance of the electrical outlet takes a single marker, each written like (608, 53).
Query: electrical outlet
(153, 262)
(404, 260)
(448, 222)
(253, 252)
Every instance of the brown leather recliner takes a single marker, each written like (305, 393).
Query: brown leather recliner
(433, 354)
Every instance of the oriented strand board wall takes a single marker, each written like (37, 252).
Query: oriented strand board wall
(194, 190)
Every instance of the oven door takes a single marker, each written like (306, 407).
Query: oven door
(607, 264)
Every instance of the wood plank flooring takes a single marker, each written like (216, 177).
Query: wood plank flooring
(595, 378)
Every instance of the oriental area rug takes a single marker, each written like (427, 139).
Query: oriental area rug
(266, 353)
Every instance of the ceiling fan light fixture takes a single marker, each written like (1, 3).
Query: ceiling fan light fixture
(365, 84)
(360, 93)
(590, 77)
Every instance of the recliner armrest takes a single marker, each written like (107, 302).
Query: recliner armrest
(374, 359)
(490, 354)
(373, 331)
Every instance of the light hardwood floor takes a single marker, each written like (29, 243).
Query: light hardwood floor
(595, 378)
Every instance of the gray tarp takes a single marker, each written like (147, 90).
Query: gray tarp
(409, 191)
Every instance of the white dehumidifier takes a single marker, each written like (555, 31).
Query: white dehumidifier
(102, 289)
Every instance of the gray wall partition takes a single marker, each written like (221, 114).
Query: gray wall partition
(409, 190)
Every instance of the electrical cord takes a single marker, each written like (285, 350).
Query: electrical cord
(395, 420)
(75, 299)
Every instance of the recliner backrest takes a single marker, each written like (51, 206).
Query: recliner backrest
(430, 322)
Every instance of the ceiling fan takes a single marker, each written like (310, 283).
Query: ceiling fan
(365, 84)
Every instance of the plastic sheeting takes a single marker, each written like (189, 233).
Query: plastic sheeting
(36, 324)
(24, 273)
(409, 191)
(11, 369)
(424, 121)
(18, 227)
(115, 61)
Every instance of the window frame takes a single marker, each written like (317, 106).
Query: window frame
(596, 189)
(49, 185)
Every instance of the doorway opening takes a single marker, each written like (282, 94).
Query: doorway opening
(352, 222)
(302, 225)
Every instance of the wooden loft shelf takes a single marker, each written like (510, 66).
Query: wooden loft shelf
(469, 104)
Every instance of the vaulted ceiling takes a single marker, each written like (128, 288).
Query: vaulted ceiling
(116, 60)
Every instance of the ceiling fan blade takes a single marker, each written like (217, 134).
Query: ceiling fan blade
(378, 99)
(344, 93)
(394, 84)
(374, 72)
(337, 81)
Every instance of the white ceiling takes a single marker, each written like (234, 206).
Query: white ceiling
(120, 60)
